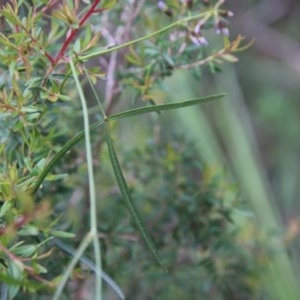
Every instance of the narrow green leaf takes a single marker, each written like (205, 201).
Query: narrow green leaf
(168, 106)
(126, 195)
(61, 153)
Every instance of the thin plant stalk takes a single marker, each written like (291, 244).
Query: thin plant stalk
(148, 36)
(93, 207)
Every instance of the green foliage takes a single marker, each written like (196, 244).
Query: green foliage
(187, 209)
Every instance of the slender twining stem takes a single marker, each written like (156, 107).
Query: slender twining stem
(148, 36)
(75, 30)
(93, 209)
(49, 58)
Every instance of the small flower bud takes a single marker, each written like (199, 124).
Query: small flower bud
(230, 14)
(221, 28)
(197, 28)
(163, 7)
(227, 14)
(198, 39)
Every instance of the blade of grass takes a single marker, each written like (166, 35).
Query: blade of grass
(168, 106)
(126, 195)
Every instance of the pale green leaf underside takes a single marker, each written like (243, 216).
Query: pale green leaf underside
(168, 106)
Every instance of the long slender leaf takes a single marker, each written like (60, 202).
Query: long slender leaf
(61, 153)
(168, 106)
(126, 195)
(129, 113)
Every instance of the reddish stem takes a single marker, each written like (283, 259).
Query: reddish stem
(74, 31)
(49, 57)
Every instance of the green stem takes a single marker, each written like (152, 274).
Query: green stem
(93, 207)
(146, 37)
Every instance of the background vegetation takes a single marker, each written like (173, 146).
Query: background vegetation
(216, 185)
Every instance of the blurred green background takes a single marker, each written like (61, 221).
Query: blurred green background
(267, 84)
(256, 129)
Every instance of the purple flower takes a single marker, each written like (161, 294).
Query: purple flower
(221, 27)
(163, 7)
(198, 39)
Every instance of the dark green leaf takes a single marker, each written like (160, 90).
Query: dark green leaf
(126, 195)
